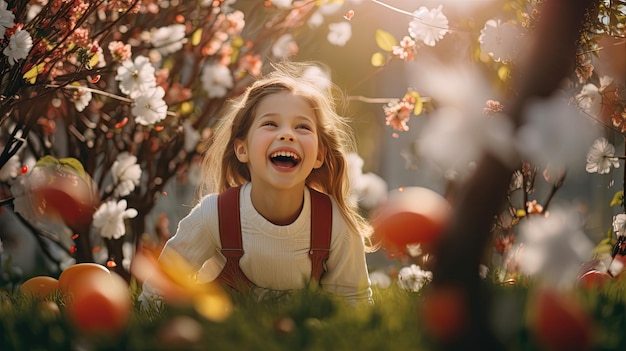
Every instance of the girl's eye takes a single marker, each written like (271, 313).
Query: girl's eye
(304, 126)
(269, 123)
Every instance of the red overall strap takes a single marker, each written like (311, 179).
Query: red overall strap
(232, 246)
(230, 237)
(321, 232)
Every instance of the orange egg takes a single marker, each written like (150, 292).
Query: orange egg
(412, 215)
(40, 286)
(100, 304)
(73, 274)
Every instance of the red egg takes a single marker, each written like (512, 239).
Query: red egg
(64, 193)
(559, 323)
(593, 279)
(100, 304)
(445, 313)
(412, 215)
(40, 286)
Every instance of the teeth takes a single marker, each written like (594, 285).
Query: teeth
(285, 154)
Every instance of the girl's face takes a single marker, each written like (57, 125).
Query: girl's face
(282, 145)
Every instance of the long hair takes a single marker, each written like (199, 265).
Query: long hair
(222, 170)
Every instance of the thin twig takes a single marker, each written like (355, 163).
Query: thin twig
(412, 15)
(371, 100)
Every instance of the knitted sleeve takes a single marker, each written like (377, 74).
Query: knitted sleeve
(346, 269)
(194, 241)
(195, 238)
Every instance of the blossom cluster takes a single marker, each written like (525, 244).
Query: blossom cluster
(129, 90)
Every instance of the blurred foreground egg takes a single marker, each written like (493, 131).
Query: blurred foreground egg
(412, 215)
(445, 313)
(559, 322)
(99, 304)
(593, 279)
(57, 190)
(73, 275)
(40, 286)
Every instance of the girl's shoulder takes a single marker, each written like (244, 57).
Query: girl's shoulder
(208, 200)
(340, 225)
(205, 207)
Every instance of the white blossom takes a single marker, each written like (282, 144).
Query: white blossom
(413, 278)
(33, 11)
(110, 216)
(380, 279)
(329, 8)
(373, 191)
(554, 133)
(590, 97)
(136, 77)
(355, 171)
(194, 173)
(315, 20)
(319, 77)
(192, 136)
(149, 107)
(126, 173)
(82, 98)
(284, 46)
(7, 18)
(554, 246)
(216, 80)
(169, 39)
(282, 4)
(101, 59)
(19, 46)
(500, 40)
(339, 33)
(454, 140)
(428, 26)
(619, 224)
(601, 157)
(355, 166)
(11, 169)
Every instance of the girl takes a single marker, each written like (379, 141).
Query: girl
(280, 152)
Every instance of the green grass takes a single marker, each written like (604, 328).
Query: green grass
(305, 321)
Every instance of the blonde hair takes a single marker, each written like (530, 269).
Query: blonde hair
(222, 170)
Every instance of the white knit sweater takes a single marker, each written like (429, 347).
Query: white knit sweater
(275, 257)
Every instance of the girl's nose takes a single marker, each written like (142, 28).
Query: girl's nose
(286, 136)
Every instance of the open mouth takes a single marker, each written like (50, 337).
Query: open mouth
(285, 159)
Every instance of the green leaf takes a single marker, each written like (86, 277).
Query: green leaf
(617, 199)
(601, 250)
(196, 37)
(70, 162)
(31, 74)
(93, 61)
(606, 241)
(47, 161)
(378, 59)
(385, 40)
(504, 73)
